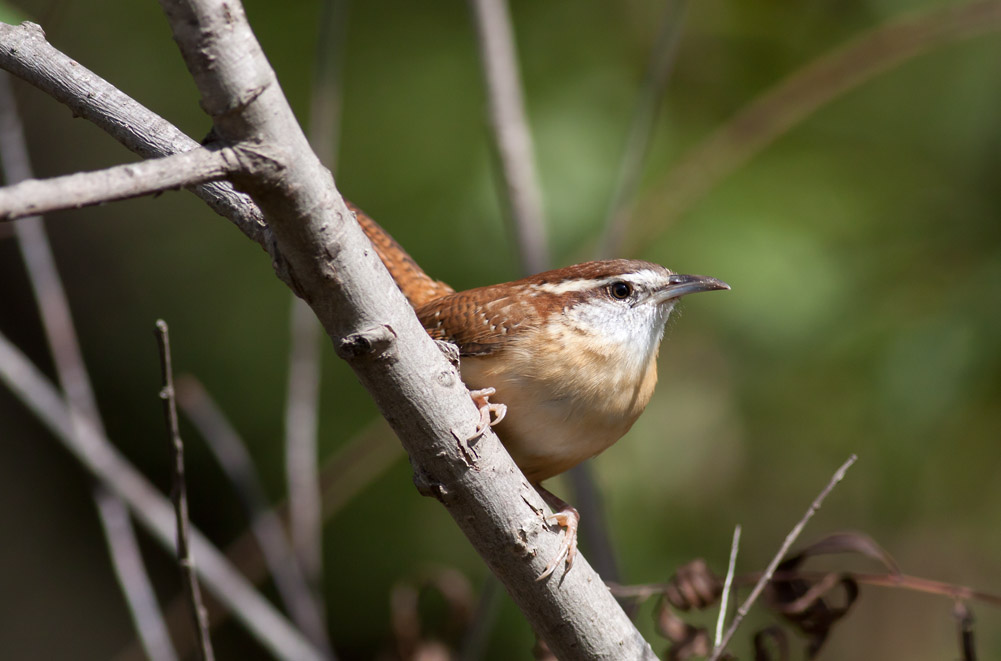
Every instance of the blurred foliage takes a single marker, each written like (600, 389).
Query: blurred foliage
(863, 247)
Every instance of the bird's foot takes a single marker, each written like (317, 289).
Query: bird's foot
(568, 518)
(490, 413)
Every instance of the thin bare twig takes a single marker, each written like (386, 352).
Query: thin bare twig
(100, 457)
(265, 523)
(326, 97)
(131, 573)
(790, 101)
(74, 381)
(179, 496)
(964, 623)
(351, 469)
(513, 140)
(506, 105)
(906, 582)
(301, 447)
(658, 73)
(120, 182)
(727, 583)
(597, 541)
(789, 541)
(644, 591)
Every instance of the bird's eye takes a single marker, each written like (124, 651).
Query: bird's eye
(620, 290)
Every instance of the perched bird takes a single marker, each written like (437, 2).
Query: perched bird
(569, 355)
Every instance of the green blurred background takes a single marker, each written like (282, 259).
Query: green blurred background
(863, 248)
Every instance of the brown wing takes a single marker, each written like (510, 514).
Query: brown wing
(416, 285)
(478, 321)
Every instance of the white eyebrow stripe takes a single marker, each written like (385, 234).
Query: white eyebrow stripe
(572, 285)
(645, 277)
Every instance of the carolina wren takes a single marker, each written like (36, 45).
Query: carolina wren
(571, 353)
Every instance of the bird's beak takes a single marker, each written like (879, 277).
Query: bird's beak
(679, 285)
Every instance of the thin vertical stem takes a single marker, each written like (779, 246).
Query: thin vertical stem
(658, 73)
(327, 96)
(597, 541)
(511, 134)
(301, 447)
(179, 496)
(724, 602)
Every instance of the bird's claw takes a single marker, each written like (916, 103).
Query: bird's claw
(486, 407)
(567, 518)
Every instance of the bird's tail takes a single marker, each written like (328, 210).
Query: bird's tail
(416, 285)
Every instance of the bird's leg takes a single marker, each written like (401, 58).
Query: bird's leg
(486, 407)
(568, 518)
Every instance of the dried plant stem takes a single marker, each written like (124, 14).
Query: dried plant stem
(594, 535)
(727, 584)
(523, 196)
(899, 581)
(179, 495)
(789, 541)
(644, 591)
(301, 445)
(475, 640)
(964, 625)
(587, 494)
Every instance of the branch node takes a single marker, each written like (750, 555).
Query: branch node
(428, 486)
(34, 27)
(372, 343)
